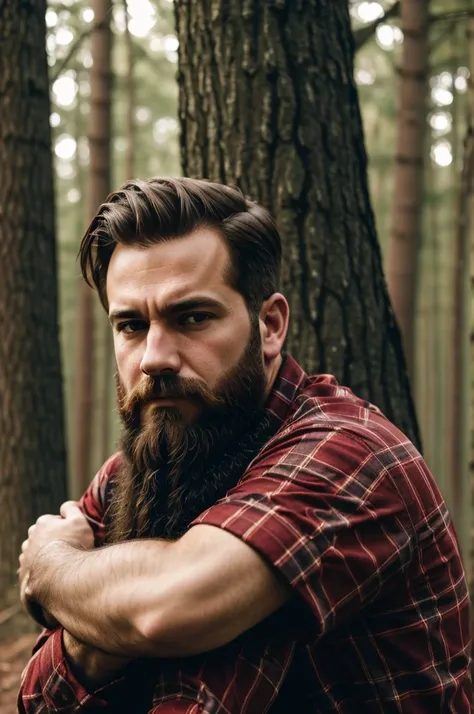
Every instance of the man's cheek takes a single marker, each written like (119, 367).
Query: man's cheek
(128, 359)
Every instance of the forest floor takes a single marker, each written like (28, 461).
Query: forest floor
(17, 637)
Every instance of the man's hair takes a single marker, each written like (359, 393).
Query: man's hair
(144, 213)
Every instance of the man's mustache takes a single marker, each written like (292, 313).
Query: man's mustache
(151, 388)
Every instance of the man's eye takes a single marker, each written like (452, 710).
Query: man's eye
(194, 318)
(130, 327)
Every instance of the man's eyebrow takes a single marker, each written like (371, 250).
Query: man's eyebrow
(186, 305)
(123, 314)
(193, 303)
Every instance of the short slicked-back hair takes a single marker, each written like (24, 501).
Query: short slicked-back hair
(144, 213)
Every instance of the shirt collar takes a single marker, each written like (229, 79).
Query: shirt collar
(288, 384)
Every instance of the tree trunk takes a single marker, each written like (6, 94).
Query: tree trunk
(130, 98)
(268, 102)
(470, 208)
(32, 446)
(458, 402)
(458, 399)
(435, 367)
(99, 188)
(402, 264)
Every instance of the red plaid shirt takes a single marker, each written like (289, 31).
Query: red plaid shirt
(345, 509)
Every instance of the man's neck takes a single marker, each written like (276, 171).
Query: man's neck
(272, 373)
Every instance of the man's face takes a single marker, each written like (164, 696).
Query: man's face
(175, 318)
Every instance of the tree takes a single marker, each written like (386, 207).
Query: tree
(467, 356)
(268, 102)
(32, 449)
(407, 202)
(99, 188)
(130, 97)
(459, 407)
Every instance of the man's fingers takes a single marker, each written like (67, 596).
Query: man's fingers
(70, 509)
(45, 518)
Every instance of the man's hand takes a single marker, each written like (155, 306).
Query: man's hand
(71, 526)
(91, 666)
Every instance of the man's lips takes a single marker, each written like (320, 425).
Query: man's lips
(166, 399)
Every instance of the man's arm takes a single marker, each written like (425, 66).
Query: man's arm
(307, 520)
(156, 598)
(315, 519)
(49, 684)
(62, 667)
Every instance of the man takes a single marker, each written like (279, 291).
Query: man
(273, 543)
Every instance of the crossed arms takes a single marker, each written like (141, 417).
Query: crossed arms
(155, 598)
(299, 509)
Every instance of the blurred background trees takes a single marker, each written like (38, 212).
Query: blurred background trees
(117, 117)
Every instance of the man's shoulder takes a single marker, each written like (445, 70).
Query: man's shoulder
(324, 411)
(323, 402)
(319, 398)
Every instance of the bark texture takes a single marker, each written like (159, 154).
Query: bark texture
(402, 264)
(32, 447)
(99, 188)
(268, 102)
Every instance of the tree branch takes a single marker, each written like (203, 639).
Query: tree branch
(59, 68)
(451, 16)
(364, 34)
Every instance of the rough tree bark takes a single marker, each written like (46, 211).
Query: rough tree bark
(268, 102)
(32, 445)
(402, 263)
(99, 187)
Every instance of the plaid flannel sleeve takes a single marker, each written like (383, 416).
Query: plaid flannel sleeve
(243, 677)
(318, 504)
(47, 683)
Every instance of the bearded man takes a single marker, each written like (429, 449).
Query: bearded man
(263, 540)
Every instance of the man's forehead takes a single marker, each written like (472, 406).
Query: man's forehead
(167, 273)
(201, 252)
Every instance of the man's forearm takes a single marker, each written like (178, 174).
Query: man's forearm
(92, 667)
(101, 596)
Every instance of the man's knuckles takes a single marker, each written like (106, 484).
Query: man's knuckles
(45, 519)
(70, 509)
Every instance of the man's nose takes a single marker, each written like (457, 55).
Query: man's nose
(161, 352)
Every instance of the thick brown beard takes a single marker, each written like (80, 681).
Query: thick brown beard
(172, 471)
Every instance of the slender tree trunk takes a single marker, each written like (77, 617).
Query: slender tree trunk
(458, 408)
(268, 102)
(470, 291)
(436, 369)
(99, 187)
(407, 204)
(32, 447)
(130, 95)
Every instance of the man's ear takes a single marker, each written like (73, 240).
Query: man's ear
(274, 317)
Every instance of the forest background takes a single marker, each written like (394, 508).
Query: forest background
(117, 111)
